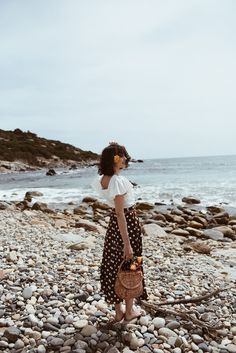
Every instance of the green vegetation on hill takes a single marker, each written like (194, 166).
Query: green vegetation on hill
(29, 148)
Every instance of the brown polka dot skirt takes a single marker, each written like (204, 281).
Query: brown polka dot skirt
(113, 253)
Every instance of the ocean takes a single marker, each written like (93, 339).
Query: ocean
(211, 179)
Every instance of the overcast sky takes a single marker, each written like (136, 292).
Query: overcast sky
(158, 76)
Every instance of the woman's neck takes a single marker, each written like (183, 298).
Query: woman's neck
(117, 171)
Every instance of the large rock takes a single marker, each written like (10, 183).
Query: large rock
(4, 205)
(80, 323)
(23, 205)
(213, 234)
(160, 217)
(172, 325)
(88, 330)
(79, 246)
(90, 226)
(30, 194)
(134, 341)
(143, 321)
(194, 224)
(27, 293)
(166, 332)
(41, 349)
(215, 209)
(33, 319)
(154, 230)
(12, 334)
(3, 344)
(221, 218)
(181, 232)
(168, 217)
(227, 231)
(89, 199)
(19, 344)
(201, 220)
(51, 172)
(191, 200)
(81, 346)
(144, 206)
(55, 342)
(80, 211)
(34, 193)
(195, 232)
(197, 339)
(40, 206)
(73, 167)
(100, 205)
(179, 219)
(158, 322)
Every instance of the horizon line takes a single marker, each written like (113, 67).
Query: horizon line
(196, 156)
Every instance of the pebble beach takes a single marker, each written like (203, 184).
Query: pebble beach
(50, 299)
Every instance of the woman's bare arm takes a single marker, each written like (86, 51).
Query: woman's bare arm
(119, 209)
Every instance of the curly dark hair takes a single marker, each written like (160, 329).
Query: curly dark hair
(106, 165)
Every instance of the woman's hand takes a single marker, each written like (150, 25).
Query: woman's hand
(128, 252)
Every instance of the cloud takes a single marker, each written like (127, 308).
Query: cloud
(88, 72)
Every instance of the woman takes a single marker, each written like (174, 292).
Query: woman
(123, 238)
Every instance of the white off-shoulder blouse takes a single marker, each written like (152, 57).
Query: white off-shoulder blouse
(118, 185)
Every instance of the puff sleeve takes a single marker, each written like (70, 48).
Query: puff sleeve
(119, 186)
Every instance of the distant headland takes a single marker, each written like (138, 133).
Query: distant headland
(21, 151)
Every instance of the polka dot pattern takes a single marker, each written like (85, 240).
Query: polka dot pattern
(113, 253)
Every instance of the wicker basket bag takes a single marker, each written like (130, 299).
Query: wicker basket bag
(129, 284)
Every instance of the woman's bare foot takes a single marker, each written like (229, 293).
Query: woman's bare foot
(133, 314)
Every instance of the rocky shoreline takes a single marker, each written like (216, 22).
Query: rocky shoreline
(49, 164)
(50, 298)
(18, 166)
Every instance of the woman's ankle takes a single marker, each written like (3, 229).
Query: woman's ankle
(133, 312)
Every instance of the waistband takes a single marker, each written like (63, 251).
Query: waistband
(131, 208)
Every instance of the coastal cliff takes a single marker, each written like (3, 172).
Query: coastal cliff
(20, 151)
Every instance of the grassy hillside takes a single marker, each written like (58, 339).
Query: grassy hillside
(29, 148)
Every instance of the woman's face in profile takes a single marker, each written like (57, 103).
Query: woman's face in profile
(122, 163)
